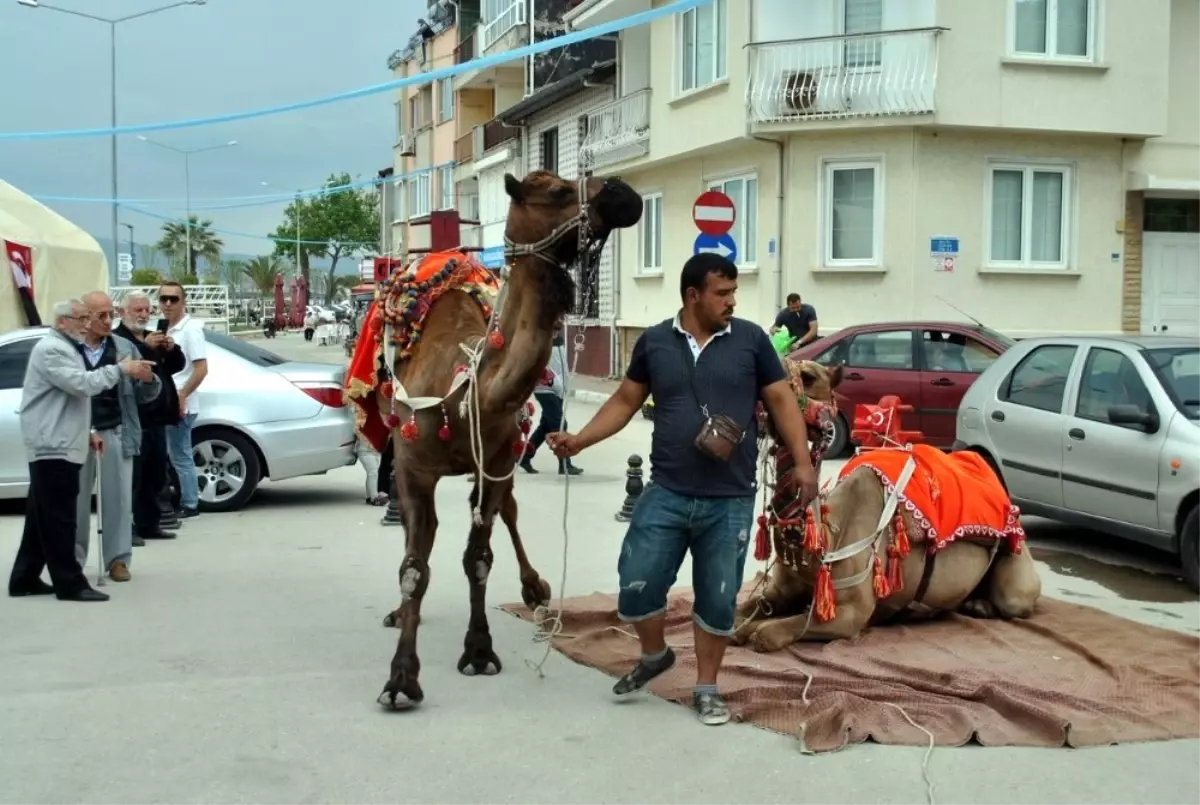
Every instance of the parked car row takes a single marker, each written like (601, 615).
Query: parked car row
(261, 417)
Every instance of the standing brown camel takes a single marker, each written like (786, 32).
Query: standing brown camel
(477, 430)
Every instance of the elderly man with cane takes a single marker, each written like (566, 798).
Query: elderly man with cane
(115, 420)
(55, 421)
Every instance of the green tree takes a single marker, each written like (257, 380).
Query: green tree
(204, 241)
(148, 257)
(145, 276)
(341, 225)
(262, 271)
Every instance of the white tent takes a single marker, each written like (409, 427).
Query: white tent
(67, 261)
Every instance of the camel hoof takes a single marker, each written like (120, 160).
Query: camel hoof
(536, 594)
(402, 691)
(390, 620)
(764, 641)
(979, 608)
(478, 657)
(395, 701)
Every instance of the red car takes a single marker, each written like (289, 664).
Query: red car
(928, 364)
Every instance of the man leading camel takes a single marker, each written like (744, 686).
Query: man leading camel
(703, 363)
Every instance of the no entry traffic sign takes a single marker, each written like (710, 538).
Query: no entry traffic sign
(714, 213)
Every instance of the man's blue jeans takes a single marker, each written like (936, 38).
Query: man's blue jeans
(664, 527)
(179, 447)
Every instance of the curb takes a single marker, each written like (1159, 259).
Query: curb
(588, 396)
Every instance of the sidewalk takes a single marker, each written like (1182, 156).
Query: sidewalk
(594, 390)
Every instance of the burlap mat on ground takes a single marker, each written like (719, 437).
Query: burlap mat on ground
(1071, 675)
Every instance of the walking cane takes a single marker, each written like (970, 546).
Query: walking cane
(100, 582)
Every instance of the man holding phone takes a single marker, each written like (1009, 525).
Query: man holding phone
(150, 466)
(188, 334)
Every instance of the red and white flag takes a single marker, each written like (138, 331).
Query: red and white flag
(20, 258)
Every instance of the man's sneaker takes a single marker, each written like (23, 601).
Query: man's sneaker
(711, 708)
(641, 674)
(184, 514)
(569, 469)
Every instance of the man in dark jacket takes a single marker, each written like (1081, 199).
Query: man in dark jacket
(150, 467)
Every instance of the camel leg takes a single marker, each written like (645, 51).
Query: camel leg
(852, 617)
(1015, 585)
(478, 656)
(535, 591)
(420, 527)
(775, 599)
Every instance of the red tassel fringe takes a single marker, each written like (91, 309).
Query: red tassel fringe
(824, 596)
(762, 540)
(881, 583)
(814, 532)
(900, 536)
(895, 576)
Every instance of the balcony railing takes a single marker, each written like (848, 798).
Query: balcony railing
(618, 131)
(855, 75)
(464, 148)
(466, 50)
(492, 135)
(505, 16)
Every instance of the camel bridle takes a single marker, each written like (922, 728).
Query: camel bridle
(589, 246)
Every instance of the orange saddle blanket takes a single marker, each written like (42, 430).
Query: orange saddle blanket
(404, 301)
(950, 495)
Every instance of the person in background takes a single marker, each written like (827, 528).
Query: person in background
(115, 420)
(56, 415)
(550, 393)
(188, 333)
(701, 365)
(799, 319)
(376, 483)
(150, 465)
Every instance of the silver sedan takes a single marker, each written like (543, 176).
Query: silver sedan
(261, 417)
(1103, 432)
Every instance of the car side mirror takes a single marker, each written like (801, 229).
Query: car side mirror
(1147, 421)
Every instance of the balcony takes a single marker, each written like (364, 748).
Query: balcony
(465, 51)
(586, 13)
(618, 131)
(490, 135)
(842, 77)
(500, 17)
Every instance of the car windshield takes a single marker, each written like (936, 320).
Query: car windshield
(244, 349)
(1179, 370)
(999, 338)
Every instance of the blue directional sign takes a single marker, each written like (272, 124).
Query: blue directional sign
(723, 245)
(943, 245)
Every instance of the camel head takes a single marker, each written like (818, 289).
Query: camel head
(545, 215)
(812, 380)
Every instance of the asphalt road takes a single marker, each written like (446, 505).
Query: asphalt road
(242, 663)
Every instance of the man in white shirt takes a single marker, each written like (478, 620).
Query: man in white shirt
(188, 334)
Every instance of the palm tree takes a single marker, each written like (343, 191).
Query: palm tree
(204, 241)
(262, 271)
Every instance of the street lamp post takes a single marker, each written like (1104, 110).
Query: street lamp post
(130, 228)
(187, 185)
(112, 23)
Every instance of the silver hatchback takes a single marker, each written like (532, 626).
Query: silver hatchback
(1103, 432)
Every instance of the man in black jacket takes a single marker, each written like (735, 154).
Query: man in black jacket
(150, 468)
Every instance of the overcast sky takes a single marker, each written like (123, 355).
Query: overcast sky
(197, 61)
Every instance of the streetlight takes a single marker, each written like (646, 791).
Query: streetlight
(187, 184)
(297, 203)
(130, 228)
(112, 42)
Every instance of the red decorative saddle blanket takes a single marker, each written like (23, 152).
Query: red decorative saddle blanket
(950, 495)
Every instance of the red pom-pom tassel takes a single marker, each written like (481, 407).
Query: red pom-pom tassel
(824, 596)
(391, 421)
(496, 340)
(762, 540)
(386, 389)
(409, 431)
(518, 448)
(444, 433)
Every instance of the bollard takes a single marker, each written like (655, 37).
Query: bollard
(633, 488)
(392, 515)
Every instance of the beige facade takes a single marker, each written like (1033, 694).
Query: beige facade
(898, 127)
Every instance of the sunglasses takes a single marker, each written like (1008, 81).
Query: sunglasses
(168, 299)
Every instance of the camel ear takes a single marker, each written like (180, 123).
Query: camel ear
(514, 188)
(835, 376)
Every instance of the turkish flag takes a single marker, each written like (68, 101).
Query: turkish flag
(20, 258)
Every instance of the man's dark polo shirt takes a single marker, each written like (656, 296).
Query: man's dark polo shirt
(733, 367)
(797, 323)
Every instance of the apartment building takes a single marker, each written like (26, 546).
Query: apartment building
(1035, 163)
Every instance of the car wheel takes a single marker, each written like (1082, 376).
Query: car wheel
(1189, 547)
(227, 469)
(841, 438)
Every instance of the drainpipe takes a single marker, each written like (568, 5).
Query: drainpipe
(781, 167)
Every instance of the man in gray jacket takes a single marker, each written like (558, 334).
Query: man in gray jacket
(116, 422)
(55, 423)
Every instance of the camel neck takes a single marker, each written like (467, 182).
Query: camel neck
(527, 320)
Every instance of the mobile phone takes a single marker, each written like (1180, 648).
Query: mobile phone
(162, 326)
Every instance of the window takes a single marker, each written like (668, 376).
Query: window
(862, 17)
(550, 150)
(414, 112)
(650, 233)
(955, 352)
(890, 349)
(703, 41)
(1171, 215)
(1040, 379)
(743, 191)
(834, 355)
(1055, 29)
(1109, 378)
(14, 358)
(853, 213)
(1178, 369)
(443, 189)
(1030, 215)
(399, 200)
(418, 195)
(399, 120)
(446, 99)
